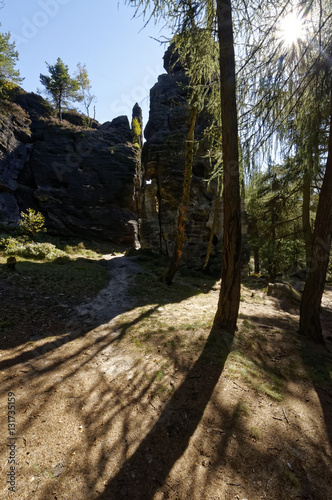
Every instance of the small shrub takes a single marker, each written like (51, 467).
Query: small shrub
(30, 249)
(69, 249)
(12, 246)
(40, 251)
(32, 222)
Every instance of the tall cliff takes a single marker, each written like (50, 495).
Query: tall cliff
(82, 180)
(163, 167)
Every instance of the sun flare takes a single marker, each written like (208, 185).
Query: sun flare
(292, 29)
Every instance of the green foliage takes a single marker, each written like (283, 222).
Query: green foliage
(274, 205)
(60, 86)
(136, 130)
(9, 77)
(32, 222)
(29, 249)
(85, 89)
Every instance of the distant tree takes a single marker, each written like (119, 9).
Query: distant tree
(85, 88)
(9, 76)
(60, 86)
(310, 324)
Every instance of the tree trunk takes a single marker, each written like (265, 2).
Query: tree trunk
(257, 268)
(314, 286)
(214, 224)
(60, 104)
(273, 256)
(181, 235)
(229, 300)
(306, 227)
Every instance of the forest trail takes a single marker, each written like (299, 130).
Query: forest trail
(122, 399)
(112, 300)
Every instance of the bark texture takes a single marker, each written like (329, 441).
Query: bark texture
(310, 324)
(229, 300)
(307, 232)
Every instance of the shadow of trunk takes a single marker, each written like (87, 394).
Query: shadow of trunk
(147, 469)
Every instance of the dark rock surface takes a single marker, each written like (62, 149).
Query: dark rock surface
(81, 180)
(163, 166)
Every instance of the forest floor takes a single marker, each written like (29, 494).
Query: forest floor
(123, 393)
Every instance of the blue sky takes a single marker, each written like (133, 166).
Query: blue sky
(122, 60)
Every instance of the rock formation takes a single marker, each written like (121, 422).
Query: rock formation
(163, 166)
(90, 182)
(81, 180)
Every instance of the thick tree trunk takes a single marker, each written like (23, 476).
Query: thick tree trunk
(181, 235)
(314, 286)
(229, 300)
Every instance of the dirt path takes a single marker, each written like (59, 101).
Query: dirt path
(130, 401)
(114, 299)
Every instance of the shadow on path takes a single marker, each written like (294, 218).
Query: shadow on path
(168, 439)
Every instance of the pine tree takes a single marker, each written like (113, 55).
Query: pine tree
(60, 86)
(9, 76)
(310, 324)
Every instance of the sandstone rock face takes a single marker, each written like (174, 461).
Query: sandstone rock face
(81, 180)
(13, 155)
(163, 165)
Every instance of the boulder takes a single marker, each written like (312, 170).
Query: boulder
(284, 291)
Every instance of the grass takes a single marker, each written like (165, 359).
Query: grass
(70, 276)
(318, 364)
(291, 477)
(241, 410)
(255, 433)
(257, 376)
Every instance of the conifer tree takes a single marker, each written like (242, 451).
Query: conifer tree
(180, 15)
(9, 76)
(288, 98)
(60, 86)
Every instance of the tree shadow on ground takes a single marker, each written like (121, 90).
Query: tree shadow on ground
(38, 307)
(316, 359)
(169, 437)
(119, 442)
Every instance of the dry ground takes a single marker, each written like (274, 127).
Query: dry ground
(128, 396)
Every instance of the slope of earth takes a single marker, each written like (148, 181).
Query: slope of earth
(130, 396)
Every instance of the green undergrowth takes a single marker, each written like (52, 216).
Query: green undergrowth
(255, 375)
(69, 269)
(70, 278)
(149, 283)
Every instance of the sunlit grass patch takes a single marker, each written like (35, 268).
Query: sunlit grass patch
(256, 376)
(254, 432)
